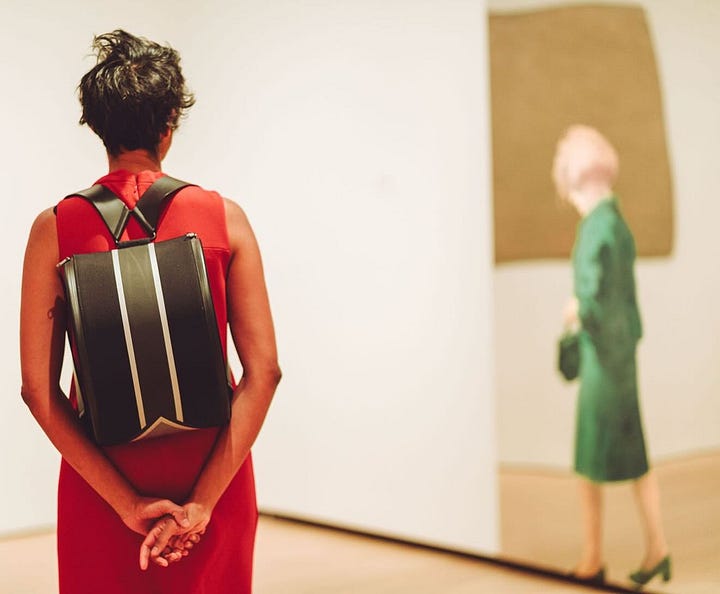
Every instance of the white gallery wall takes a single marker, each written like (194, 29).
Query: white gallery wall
(356, 136)
(679, 356)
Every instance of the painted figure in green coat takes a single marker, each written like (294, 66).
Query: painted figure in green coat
(609, 442)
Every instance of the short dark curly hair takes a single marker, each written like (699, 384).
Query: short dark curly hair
(134, 93)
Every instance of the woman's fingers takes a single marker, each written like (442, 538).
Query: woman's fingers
(166, 542)
(174, 551)
(156, 541)
(177, 547)
(169, 557)
(168, 530)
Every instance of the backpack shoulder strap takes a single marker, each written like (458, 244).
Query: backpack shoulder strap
(150, 205)
(115, 213)
(111, 209)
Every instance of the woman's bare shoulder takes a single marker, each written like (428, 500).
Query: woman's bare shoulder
(234, 211)
(44, 230)
(238, 225)
(46, 218)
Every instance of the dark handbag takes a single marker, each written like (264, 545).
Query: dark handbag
(569, 355)
(147, 352)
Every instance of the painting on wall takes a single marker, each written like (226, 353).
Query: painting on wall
(555, 67)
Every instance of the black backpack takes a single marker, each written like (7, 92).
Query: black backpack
(146, 348)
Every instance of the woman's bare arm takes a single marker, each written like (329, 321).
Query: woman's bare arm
(253, 334)
(254, 337)
(42, 340)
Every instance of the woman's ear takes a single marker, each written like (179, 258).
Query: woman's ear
(165, 142)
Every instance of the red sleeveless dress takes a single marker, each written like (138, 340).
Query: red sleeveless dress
(97, 553)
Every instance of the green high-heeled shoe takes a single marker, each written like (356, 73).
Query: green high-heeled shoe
(642, 577)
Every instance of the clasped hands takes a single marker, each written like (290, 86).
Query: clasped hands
(170, 530)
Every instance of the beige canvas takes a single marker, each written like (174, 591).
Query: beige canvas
(577, 64)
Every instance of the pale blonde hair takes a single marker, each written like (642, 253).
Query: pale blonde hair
(583, 155)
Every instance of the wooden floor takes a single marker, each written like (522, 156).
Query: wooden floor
(540, 524)
(298, 559)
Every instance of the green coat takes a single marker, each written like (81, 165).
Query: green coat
(609, 443)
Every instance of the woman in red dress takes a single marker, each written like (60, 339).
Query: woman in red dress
(166, 514)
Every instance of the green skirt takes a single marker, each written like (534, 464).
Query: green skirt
(609, 442)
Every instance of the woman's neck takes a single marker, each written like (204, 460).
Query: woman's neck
(589, 196)
(134, 161)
